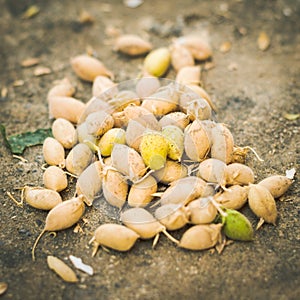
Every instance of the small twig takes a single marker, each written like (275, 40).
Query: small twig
(19, 203)
(22, 159)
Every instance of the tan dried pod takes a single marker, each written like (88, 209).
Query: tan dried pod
(201, 211)
(101, 84)
(222, 143)
(146, 86)
(115, 188)
(199, 109)
(196, 141)
(235, 197)
(66, 107)
(140, 194)
(163, 101)
(62, 216)
(61, 269)
(201, 237)
(114, 236)
(197, 45)
(262, 203)
(41, 198)
(89, 182)
(212, 170)
(185, 190)
(96, 104)
(172, 171)
(189, 75)
(54, 178)
(202, 93)
(276, 184)
(62, 88)
(99, 122)
(237, 173)
(53, 152)
(79, 158)
(128, 162)
(172, 216)
(181, 57)
(64, 132)
(88, 68)
(132, 45)
(176, 118)
(144, 224)
(134, 134)
(83, 135)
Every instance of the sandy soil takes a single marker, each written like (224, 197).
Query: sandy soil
(252, 90)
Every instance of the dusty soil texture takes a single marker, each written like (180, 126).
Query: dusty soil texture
(252, 90)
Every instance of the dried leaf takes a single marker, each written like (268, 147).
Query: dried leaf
(291, 117)
(225, 47)
(4, 92)
(78, 264)
(3, 287)
(17, 143)
(86, 18)
(29, 62)
(18, 82)
(61, 269)
(263, 41)
(40, 71)
(30, 12)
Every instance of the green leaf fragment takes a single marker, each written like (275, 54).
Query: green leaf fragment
(237, 226)
(17, 143)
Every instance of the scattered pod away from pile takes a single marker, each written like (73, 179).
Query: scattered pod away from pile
(222, 143)
(170, 172)
(64, 132)
(176, 118)
(201, 211)
(140, 194)
(175, 140)
(132, 45)
(103, 84)
(114, 236)
(196, 141)
(276, 184)
(79, 158)
(189, 75)
(234, 197)
(157, 62)
(41, 198)
(66, 107)
(201, 237)
(262, 203)
(53, 152)
(62, 216)
(185, 190)
(128, 162)
(211, 170)
(237, 173)
(154, 149)
(88, 68)
(144, 224)
(199, 48)
(237, 226)
(89, 182)
(54, 178)
(115, 188)
(109, 139)
(63, 88)
(181, 57)
(172, 216)
(147, 85)
(99, 122)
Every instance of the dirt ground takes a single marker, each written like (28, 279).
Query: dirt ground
(252, 90)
